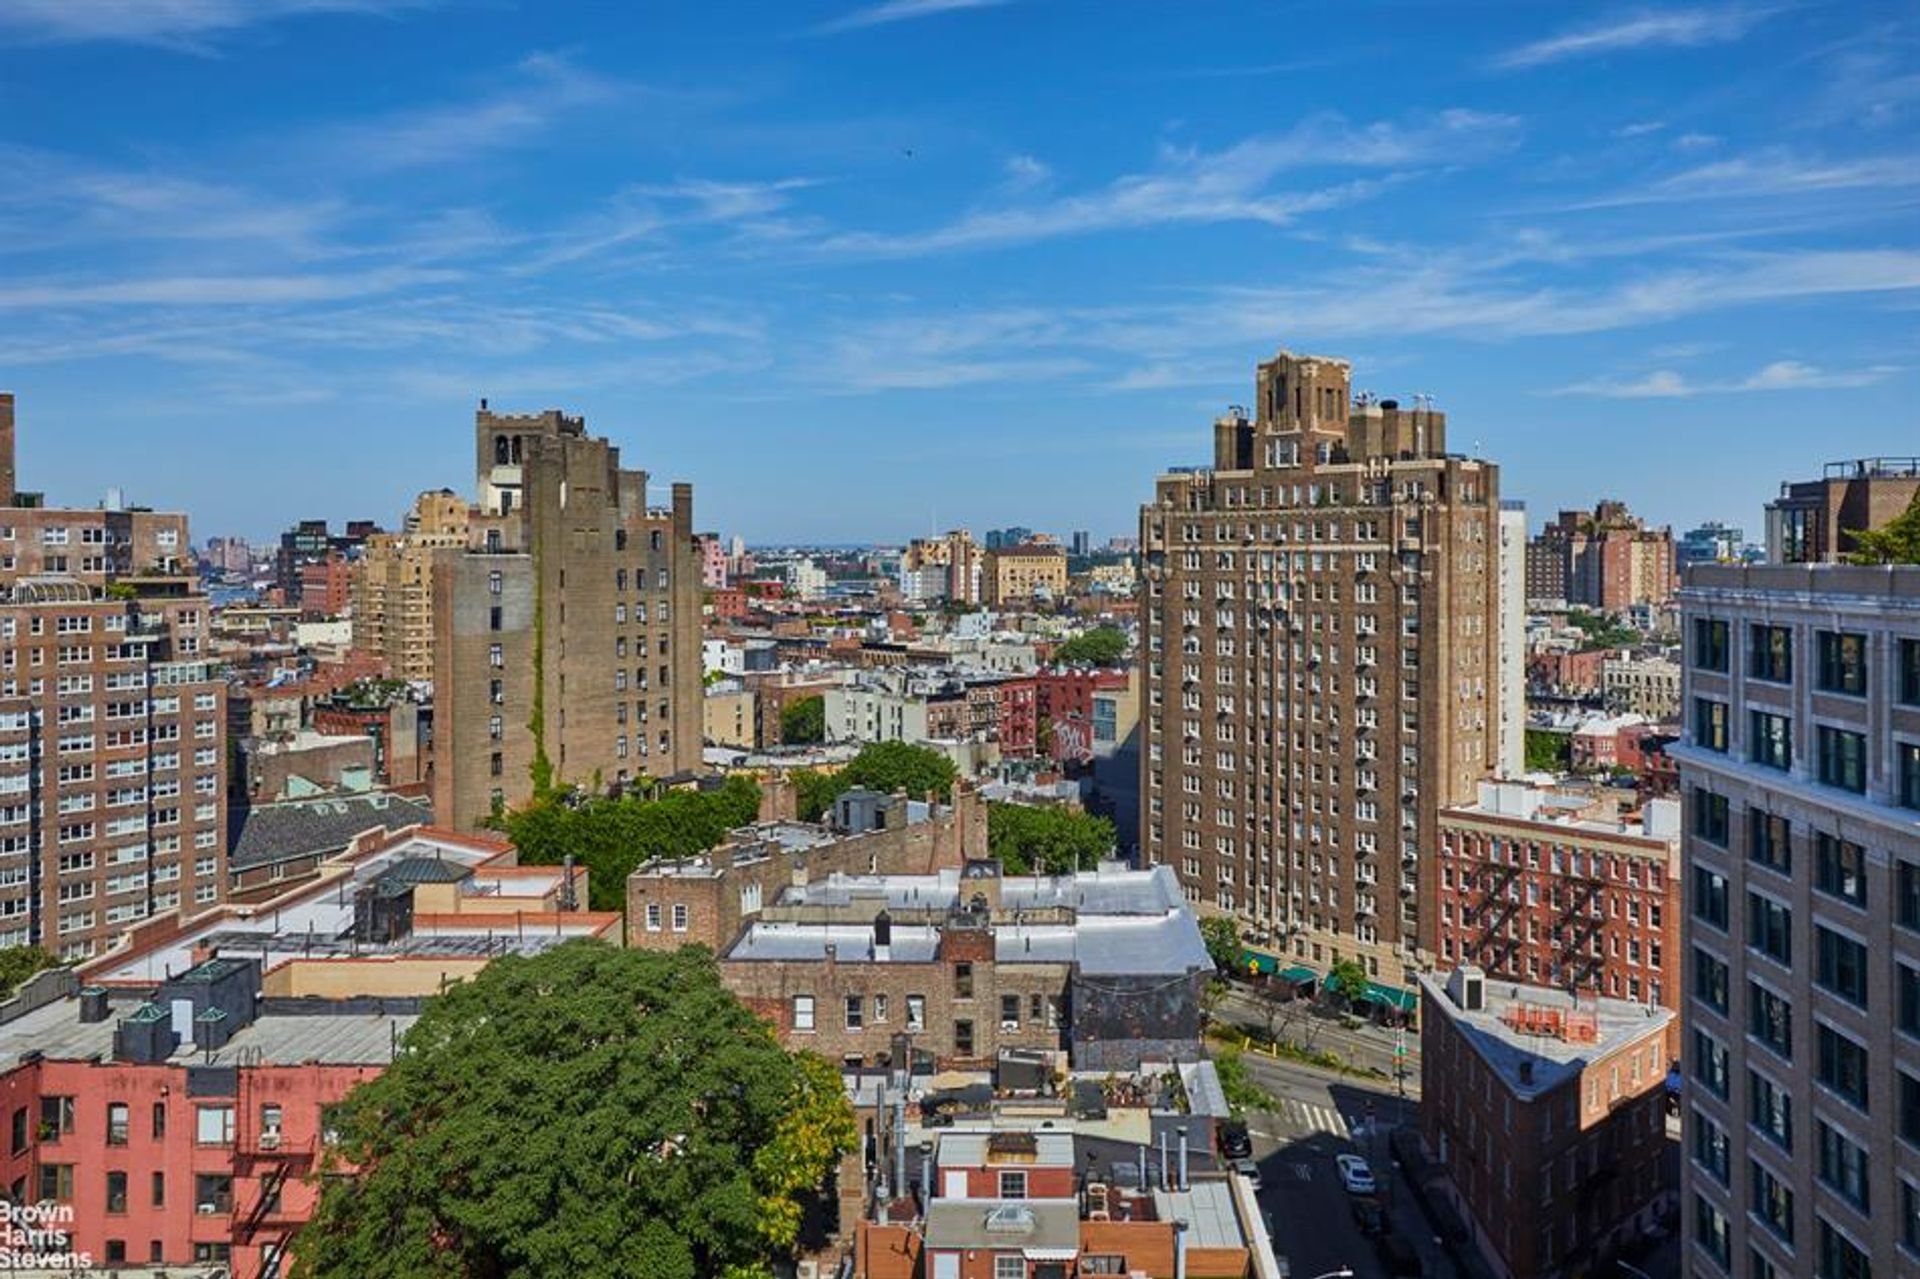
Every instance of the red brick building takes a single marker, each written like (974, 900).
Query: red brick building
(1548, 1117)
(326, 586)
(1558, 888)
(1064, 699)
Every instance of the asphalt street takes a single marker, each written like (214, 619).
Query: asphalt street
(1368, 1047)
(1318, 1117)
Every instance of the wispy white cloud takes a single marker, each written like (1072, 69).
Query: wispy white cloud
(1233, 185)
(1695, 141)
(541, 89)
(645, 213)
(1781, 375)
(901, 11)
(1639, 128)
(1771, 174)
(216, 290)
(180, 24)
(1652, 28)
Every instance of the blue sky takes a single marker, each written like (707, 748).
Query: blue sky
(856, 268)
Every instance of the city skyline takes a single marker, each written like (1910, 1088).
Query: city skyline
(307, 238)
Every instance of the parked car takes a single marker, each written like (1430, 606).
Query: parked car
(1367, 1215)
(1355, 1175)
(1249, 1169)
(1235, 1141)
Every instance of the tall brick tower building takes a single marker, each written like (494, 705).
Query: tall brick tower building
(1320, 656)
(566, 635)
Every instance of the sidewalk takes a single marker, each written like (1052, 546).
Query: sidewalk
(1366, 1046)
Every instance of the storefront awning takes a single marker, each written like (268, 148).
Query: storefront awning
(1298, 975)
(1404, 1001)
(1259, 963)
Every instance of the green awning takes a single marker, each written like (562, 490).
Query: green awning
(1298, 975)
(1258, 962)
(1400, 1000)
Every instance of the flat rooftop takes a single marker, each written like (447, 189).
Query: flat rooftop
(349, 1039)
(1617, 1023)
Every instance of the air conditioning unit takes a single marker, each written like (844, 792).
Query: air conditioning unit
(207, 1210)
(270, 1140)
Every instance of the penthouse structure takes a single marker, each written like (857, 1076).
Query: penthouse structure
(1548, 1115)
(112, 723)
(1800, 769)
(566, 636)
(1813, 521)
(1557, 887)
(1320, 658)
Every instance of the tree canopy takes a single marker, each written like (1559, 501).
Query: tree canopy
(803, 721)
(1601, 631)
(881, 766)
(1053, 840)
(1101, 646)
(1350, 980)
(1895, 542)
(17, 963)
(589, 1113)
(1223, 942)
(611, 837)
(1547, 751)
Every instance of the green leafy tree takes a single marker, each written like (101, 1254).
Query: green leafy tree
(1101, 646)
(1601, 631)
(588, 1113)
(1547, 752)
(1223, 942)
(611, 837)
(803, 721)
(18, 963)
(892, 766)
(1023, 838)
(815, 791)
(1350, 980)
(1895, 542)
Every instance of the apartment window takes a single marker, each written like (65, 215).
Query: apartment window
(1710, 816)
(1709, 644)
(653, 917)
(1772, 1201)
(1710, 1063)
(1770, 1019)
(496, 727)
(1909, 1107)
(1770, 928)
(159, 1120)
(1710, 1147)
(496, 656)
(159, 1190)
(1840, 868)
(963, 981)
(1841, 1065)
(1910, 1216)
(56, 1118)
(493, 582)
(879, 1009)
(1843, 662)
(1709, 980)
(1836, 1257)
(56, 1182)
(1758, 1267)
(1710, 1230)
(856, 1012)
(1840, 965)
(1770, 655)
(1843, 758)
(21, 1130)
(1710, 897)
(1908, 766)
(803, 1012)
(1770, 841)
(1770, 1109)
(679, 917)
(1842, 1165)
(1013, 1185)
(916, 1013)
(116, 1192)
(1906, 889)
(1005, 1267)
(1710, 723)
(118, 1123)
(963, 1038)
(1906, 982)
(213, 1126)
(1771, 741)
(1910, 672)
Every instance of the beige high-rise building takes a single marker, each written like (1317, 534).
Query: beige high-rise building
(567, 633)
(1025, 573)
(1320, 620)
(393, 584)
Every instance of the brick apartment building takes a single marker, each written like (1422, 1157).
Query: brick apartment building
(112, 723)
(1800, 770)
(1320, 658)
(1813, 521)
(1604, 559)
(1556, 887)
(1017, 575)
(1548, 1116)
(569, 631)
(393, 585)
